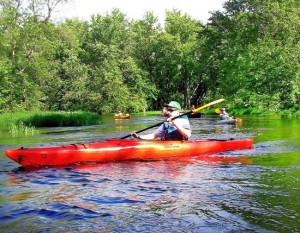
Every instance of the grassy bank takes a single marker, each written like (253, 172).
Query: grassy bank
(50, 119)
(147, 113)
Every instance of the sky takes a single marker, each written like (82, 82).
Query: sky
(136, 9)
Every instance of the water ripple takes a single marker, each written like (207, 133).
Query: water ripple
(112, 200)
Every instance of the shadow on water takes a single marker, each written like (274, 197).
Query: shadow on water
(254, 190)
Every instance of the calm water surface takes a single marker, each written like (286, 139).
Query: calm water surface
(255, 190)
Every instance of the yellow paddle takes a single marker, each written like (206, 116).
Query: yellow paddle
(190, 112)
(218, 111)
(205, 106)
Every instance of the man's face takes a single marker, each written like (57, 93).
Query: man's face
(172, 112)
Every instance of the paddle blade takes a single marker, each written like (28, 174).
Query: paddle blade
(239, 120)
(207, 105)
(218, 111)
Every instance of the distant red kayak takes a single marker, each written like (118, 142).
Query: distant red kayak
(121, 150)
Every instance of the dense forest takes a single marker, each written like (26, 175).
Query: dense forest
(248, 53)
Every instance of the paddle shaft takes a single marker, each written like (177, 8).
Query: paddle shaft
(193, 111)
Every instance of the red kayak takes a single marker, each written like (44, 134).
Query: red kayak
(121, 150)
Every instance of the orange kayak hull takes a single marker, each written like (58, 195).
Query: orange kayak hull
(122, 117)
(121, 150)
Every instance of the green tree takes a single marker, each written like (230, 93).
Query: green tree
(116, 82)
(26, 42)
(68, 89)
(182, 73)
(145, 50)
(258, 64)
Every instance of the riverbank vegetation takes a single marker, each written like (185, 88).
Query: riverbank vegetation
(20, 120)
(248, 53)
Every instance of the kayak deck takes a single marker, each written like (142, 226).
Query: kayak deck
(121, 150)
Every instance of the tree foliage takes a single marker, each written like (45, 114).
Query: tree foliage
(247, 53)
(259, 66)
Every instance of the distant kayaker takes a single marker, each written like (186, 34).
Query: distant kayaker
(172, 129)
(119, 114)
(224, 115)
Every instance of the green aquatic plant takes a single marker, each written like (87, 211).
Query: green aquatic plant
(22, 129)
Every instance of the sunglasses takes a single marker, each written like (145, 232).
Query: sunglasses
(171, 109)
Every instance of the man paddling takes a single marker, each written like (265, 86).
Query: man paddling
(224, 115)
(172, 129)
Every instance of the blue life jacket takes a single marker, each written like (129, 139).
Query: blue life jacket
(224, 117)
(172, 133)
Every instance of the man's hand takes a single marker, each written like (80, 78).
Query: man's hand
(135, 135)
(171, 120)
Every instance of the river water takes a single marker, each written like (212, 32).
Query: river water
(253, 190)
